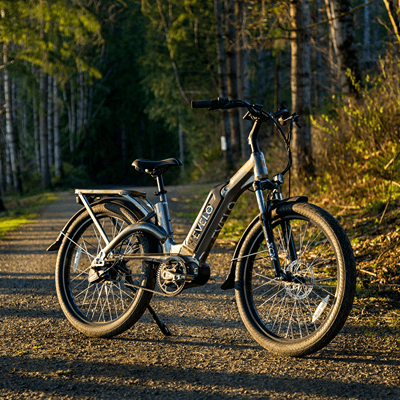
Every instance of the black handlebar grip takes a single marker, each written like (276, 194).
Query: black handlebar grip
(201, 104)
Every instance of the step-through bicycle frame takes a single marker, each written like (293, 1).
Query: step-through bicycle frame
(212, 216)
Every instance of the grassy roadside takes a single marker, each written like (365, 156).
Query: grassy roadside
(22, 210)
(374, 232)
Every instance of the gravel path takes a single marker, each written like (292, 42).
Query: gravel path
(209, 356)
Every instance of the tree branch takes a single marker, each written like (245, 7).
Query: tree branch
(176, 72)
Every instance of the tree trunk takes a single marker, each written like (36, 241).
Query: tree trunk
(11, 137)
(80, 101)
(85, 109)
(36, 133)
(277, 86)
(243, 82)
(50, 119)
(69, 112)
(222, 81)
(181, 146)
(301, 86)
(14, 108)
(25, 125)
(44, 155)
(367, 35)
(342, 24)
(2, 208)
(73, 119)
(9, 179)
(57, 132)
(392, 8)
(332, 48)
(231, 66)
(2, 153)
(319, 67)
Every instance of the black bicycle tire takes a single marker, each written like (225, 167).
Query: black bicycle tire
(346, 266)
(143, 298)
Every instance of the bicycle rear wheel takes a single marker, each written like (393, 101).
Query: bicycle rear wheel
(105, 301)
(299, 317)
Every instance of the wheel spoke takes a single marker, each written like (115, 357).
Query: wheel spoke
(286, 306)
(109, 296)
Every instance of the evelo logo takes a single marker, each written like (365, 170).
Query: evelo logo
(202, 222)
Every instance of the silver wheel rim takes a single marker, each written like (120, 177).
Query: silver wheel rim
(287, 310)
(108, 299)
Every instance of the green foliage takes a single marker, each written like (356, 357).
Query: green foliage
(122, 131)
(52, 34)
(356, 144)
(183, 34)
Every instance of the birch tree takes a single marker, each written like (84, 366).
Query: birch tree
(343, 40)
(11, 135)
(50, 120)
(57, 132)
(36, 131)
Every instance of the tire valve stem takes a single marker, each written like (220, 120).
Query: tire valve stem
(320, 309)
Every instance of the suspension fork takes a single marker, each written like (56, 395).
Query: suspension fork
(288, 239)
(286, 231)
(265, 213)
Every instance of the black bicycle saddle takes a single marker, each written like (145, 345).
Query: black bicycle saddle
(155, 168)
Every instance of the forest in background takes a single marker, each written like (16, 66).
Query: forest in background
(90, 85)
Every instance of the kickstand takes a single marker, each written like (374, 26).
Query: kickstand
(163, 328)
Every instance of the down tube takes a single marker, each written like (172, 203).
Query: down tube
(215, 211)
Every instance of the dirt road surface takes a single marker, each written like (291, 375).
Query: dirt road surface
(209, 356)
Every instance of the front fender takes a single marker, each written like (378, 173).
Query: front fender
(138, 212)
(230, 279)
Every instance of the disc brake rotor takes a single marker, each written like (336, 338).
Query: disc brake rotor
(303, 280)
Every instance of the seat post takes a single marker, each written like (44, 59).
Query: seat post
(162, 207)
(160, 186)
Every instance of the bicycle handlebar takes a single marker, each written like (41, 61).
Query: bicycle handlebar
(201, 103)
(255, 112)
(212, 104)
(226, 104)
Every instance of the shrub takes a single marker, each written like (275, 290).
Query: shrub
(356, 143)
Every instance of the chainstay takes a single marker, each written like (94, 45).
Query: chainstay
(146, 289)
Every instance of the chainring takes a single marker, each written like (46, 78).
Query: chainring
(168, 278)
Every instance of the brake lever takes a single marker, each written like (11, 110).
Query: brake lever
(296, 120)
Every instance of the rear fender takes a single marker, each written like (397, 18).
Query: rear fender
(139, 213)
(230, 279)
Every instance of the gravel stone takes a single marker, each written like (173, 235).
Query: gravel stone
(210, 355)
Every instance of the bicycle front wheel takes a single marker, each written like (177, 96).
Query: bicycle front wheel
(103, 301)
(300, 315)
